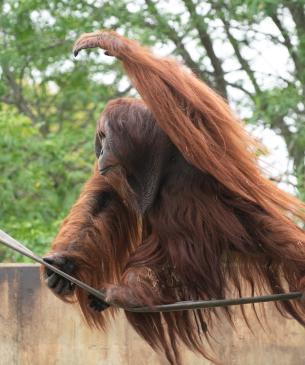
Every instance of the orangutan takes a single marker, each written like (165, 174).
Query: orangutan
(176, 208)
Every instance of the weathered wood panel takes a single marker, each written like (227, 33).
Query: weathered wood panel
(36, 328)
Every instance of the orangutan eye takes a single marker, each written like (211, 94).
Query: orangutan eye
(97, 150)
(99, 141)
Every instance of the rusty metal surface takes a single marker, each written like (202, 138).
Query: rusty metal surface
(36, 328)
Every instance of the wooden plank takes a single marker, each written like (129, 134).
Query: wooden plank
(9, 321)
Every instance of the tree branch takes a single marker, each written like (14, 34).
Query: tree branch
(287, 40)
(17, 96)
(176, 39)
(208, 45)
(298, 14)
(239, 87)
(244, 64)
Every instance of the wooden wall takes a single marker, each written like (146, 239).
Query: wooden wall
(38, 329)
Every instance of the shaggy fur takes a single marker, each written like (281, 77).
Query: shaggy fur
(216, 222)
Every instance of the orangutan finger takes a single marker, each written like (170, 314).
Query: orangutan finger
(52, 280)
(110, 41)
(62, 262)
(97, 304)
(68, 288)
(87, 40)
(61, 285)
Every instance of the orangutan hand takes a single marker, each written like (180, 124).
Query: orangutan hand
(110, 41)
(96, 304)
(55, 282)
(117, 295)
(100, 305)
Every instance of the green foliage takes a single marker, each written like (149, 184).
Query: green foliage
(268, 105)
(40, 178)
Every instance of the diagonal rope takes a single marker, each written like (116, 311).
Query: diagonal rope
(10, 242)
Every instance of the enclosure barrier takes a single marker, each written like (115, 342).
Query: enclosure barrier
(37, 328)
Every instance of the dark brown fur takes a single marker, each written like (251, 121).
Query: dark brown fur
(215, 222)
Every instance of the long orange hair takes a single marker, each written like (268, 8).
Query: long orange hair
(216, 224)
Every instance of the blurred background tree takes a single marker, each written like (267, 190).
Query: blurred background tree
(251, 51)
